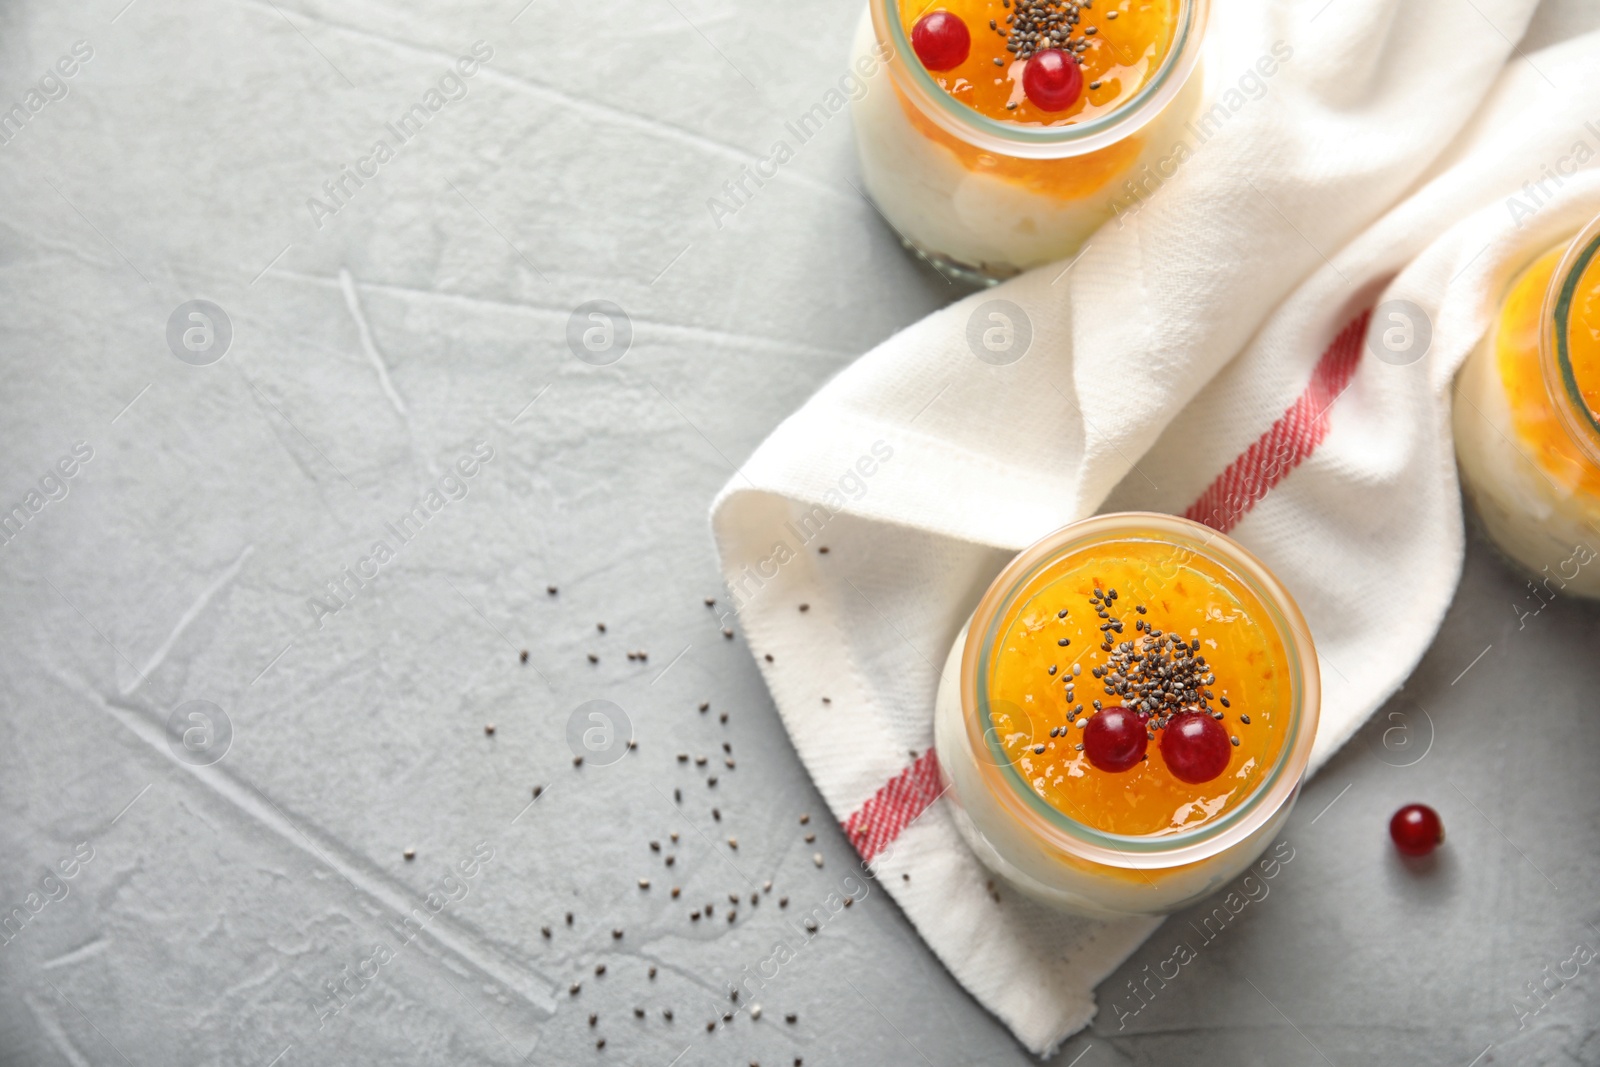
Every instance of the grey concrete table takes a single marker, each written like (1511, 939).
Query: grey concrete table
(227, 714)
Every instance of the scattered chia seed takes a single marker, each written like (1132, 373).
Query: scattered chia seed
(552, 590)
(1245, 719)
(523, 655)
(1235, 741)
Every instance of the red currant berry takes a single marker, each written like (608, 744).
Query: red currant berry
(941, 40)
(1416, 830)
(1052, 79)
(1115, 739)
(1195, 747)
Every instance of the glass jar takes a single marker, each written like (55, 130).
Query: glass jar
(1030, 840)
(1527, 433)
(983, 200)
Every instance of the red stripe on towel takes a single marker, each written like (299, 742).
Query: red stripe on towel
(875, 825)
(1288, 442)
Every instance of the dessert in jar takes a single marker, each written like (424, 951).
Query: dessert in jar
(999, 134)
(1527, 421)
(1125, 721)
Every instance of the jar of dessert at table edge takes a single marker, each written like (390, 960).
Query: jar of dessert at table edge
(1527, 421)
(997, 135)
(1126, 719)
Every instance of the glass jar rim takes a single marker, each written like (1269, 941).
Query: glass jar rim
(1185, 846)
(1044, 142)
(1555, 355)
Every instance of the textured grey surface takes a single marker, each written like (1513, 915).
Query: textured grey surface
(368, 356)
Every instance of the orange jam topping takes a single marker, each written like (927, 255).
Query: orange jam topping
(1120, 44)
(1043, 681)
(1516, 343)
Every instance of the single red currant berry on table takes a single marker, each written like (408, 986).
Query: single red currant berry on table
(1416, 830)
(1053, 80)
(1115, 739)
(1195, 747)
(941, 40)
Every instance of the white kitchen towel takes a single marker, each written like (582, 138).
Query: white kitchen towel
(1214, 352)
